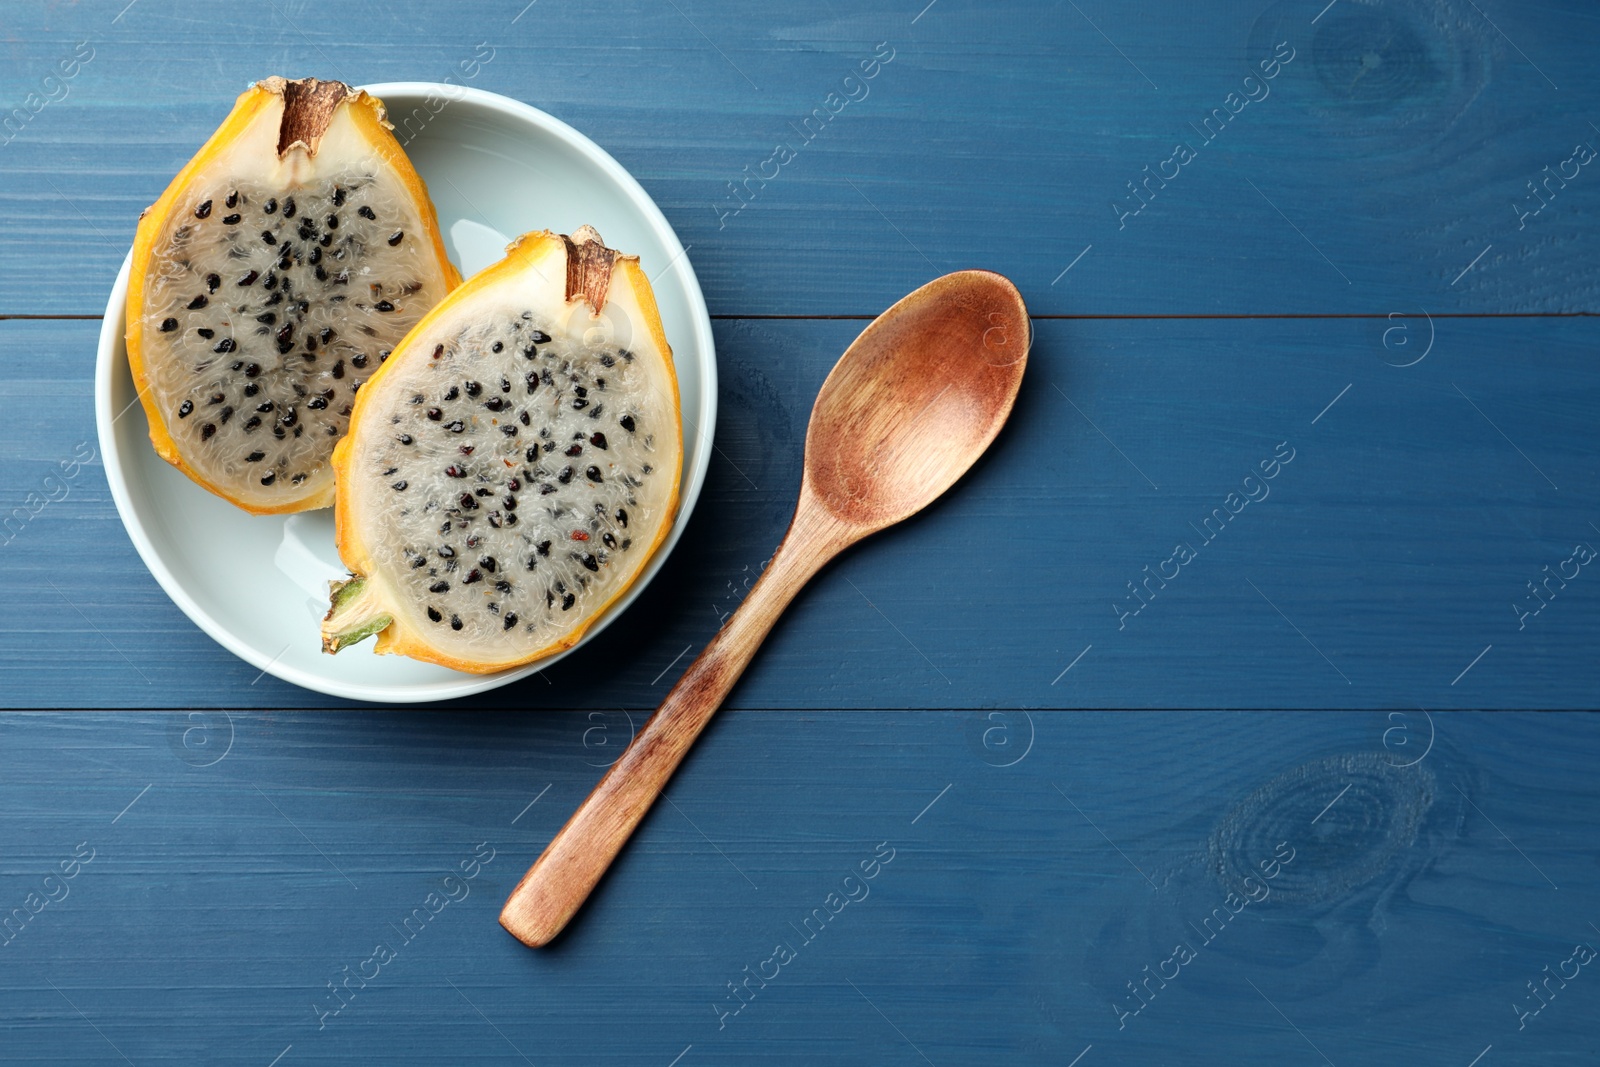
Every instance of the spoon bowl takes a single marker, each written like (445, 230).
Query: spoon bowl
(916, 399)
(909, 407)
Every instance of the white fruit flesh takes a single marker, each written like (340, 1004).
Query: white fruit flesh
(276, 289)
(514, 466)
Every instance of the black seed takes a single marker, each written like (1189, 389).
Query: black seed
(288, 418)
(452, 393)
(588, 561)
(400, 487)
(311, 346)
(455, 622)
(593, 474)
(338, 369)
(498, 346)
(494, 403)
(622, 518)
(439, 587)
(270, 206)
(270, 282)
(364, 211)
(267, 317)
(598, 408)
(332, 221)
(318, 403)
(252, 423)
(203, 211)
(502, 586)
(315, 257)
(307, 230)
(472, 576)
(509, 430)
(529, 352)
(251, 370)
(549, 446)
(522, 417)
(383, 305)
(608, 540)
(446, 552)
(456, 427)
(626, 542)
(539, 337)
(567, 601)
(185, 408)
(225, 415)
(206, 431)
(231, 220)
(394, 238)
(626, 422)
(233, 199)
(217, 398)
(469, 502)
(288, 207)
(255, 457)
(265, 406)
(565, 476)
(208, 334)
(580, 390)
(434, 414)
(338, 197)
(488, 563)
(511, 619)
(168, 325)
(579, 403)
(433, 613)
(404, 439)
(298, 478)
(454, 471)
(224, 346)
(251, 389)
(198, 302)
(268, 238)
(574, 450)
(473, 388)
(597, 439)
(543, 548)
(322, 273)
(248, 278)
(213, 281)
(269, 477)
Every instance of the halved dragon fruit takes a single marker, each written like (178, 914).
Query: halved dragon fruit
(514, 465)
(274, 275)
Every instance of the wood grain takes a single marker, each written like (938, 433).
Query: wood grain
(1396, 541)
(1005, 926)
(1388, 154)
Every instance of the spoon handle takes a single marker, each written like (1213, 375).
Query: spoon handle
(562, 878)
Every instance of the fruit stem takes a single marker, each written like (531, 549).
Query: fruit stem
(354, 614)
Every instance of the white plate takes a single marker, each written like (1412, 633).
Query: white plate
(258, 584)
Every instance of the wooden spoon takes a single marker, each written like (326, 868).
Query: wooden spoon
(909, 407)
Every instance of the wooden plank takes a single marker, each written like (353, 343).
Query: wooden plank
(224, 894)
(1387, 167)
(1375, 569)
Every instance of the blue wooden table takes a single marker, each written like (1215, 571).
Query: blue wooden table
(1310, 426)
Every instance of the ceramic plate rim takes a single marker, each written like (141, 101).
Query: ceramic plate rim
(111, 360)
